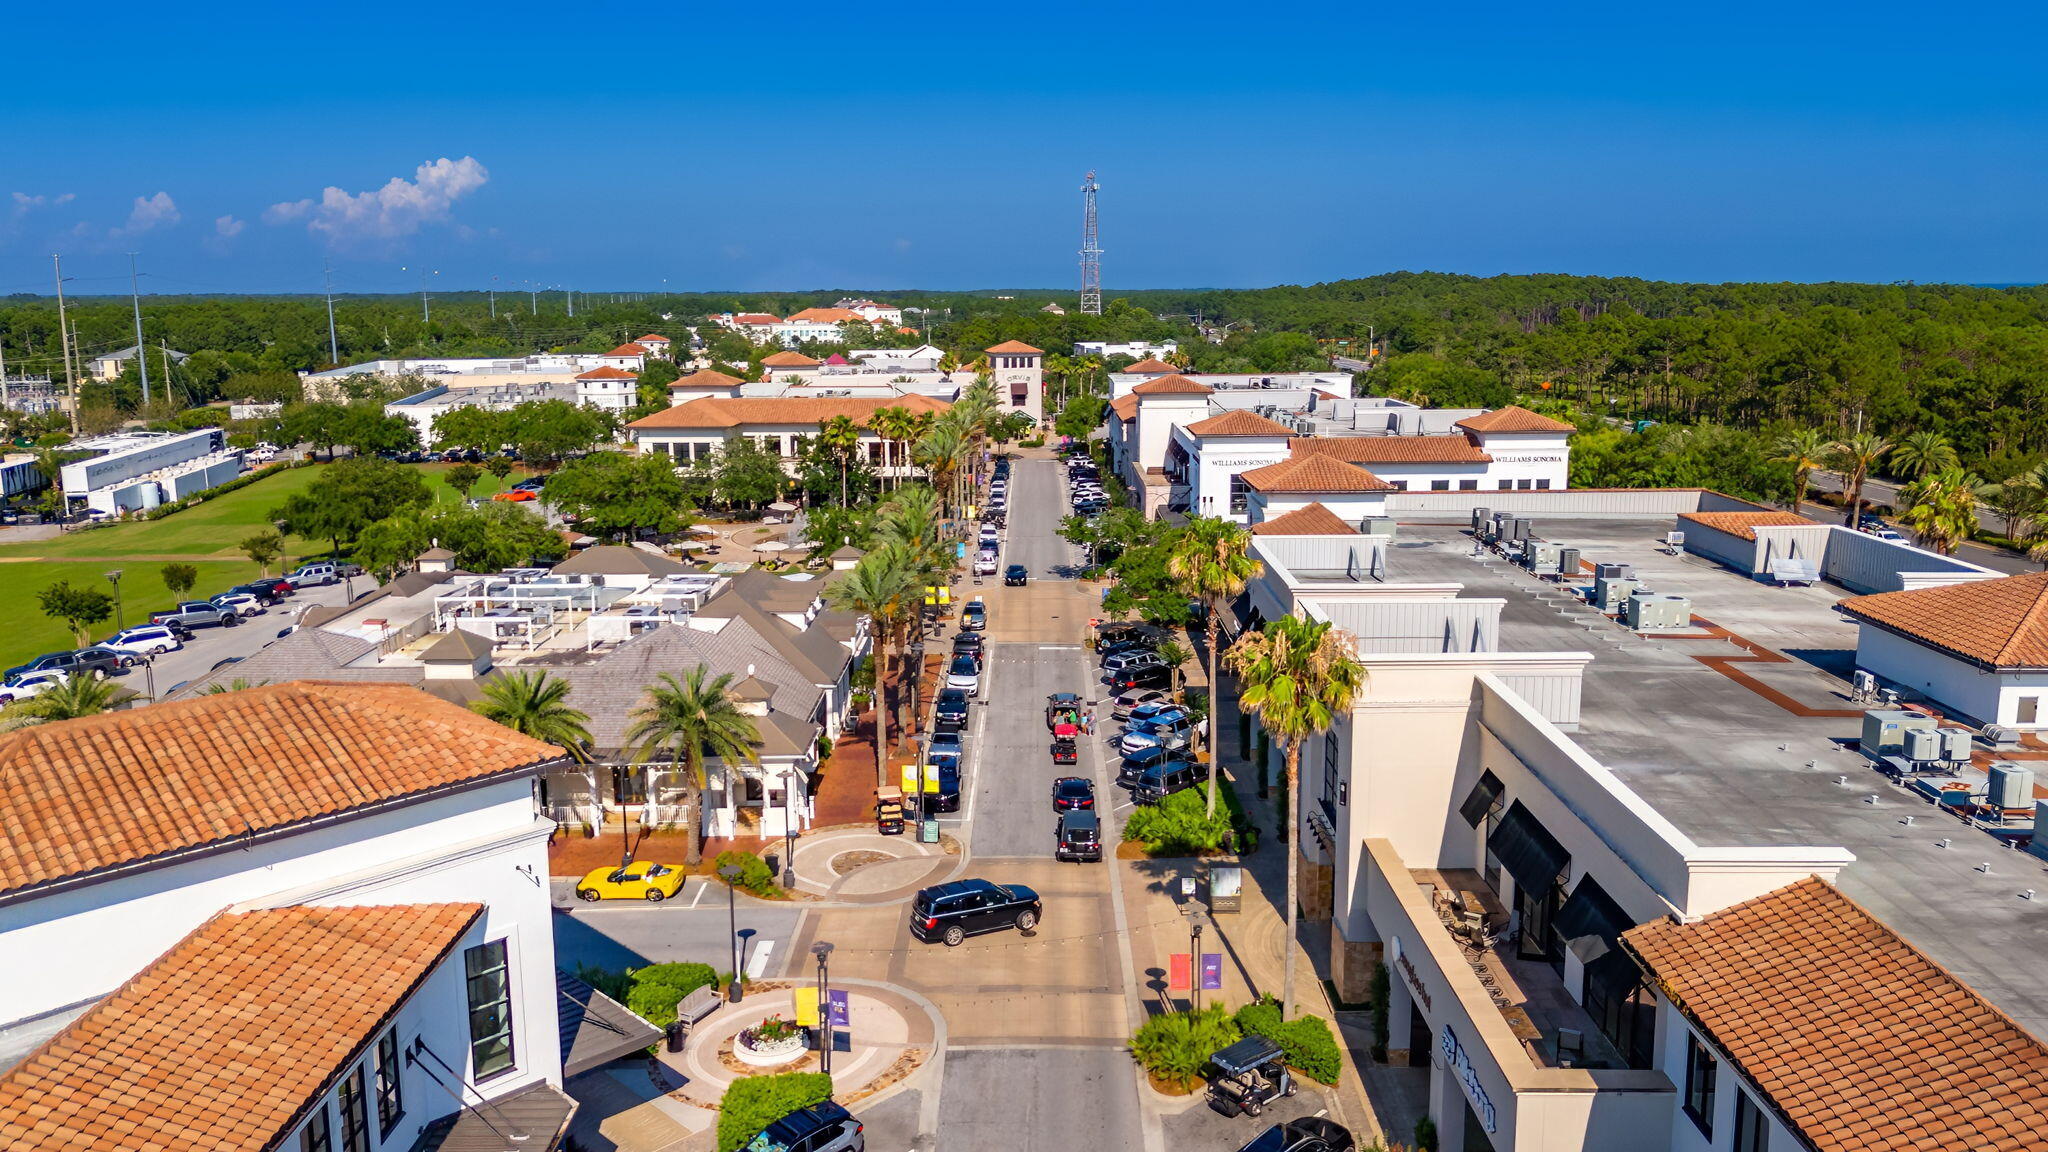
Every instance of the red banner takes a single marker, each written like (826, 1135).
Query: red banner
(1177, 972)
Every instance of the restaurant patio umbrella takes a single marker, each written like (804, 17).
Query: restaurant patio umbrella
(694, 545)
(782, 506)
(703, 530)
(771, 546)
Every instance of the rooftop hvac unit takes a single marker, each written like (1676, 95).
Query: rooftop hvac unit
(2012, 786)
(1611, 592)
(1615, 571)
(1648, 610)
(1382, 526)
(1568, 562)
(1522, 528)
(1538, 556)
(1955, 745)
(1884, 729)
(1922, 745)
(1481, 516)
(1999, 736)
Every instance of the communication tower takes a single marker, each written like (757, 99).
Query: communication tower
(1091, 253)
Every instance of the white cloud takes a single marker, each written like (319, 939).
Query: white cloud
(228, 226)
(158, 211)
(25, 203)
(399, 209)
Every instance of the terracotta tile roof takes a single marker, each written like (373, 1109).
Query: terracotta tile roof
(707, 379)
(1745, 524)
(1852, 1036)
(1392, 449)
(651, 338)
(1125, 406)
(1513, 418)
(755, 318)
(1175, 385)
(89, 794)
(1313, 520)
(609, 373)
(2000, 623)
(226, 1039)
(1015, 348)
(1238, 423)
(1313, 474)
(731, 412)
(789, 360)
(823, 316)
(628, 349)
(1150, 367)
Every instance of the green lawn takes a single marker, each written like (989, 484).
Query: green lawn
(207, 536)
(30, 633)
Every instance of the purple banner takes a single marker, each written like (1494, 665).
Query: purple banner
(1212, 971)
(835, 998)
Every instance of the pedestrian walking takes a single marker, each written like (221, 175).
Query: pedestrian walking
(1088, 721)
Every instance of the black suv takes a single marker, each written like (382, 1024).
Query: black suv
(1140, 676)
(1138, 763)
(950, 713)
(1015, 576)
(1078, 836)
(953, 912)
(1164, 779)
(822, 1127)
(88, 661)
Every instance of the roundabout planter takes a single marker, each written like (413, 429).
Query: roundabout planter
(767, 1053)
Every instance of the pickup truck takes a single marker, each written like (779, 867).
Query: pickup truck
(197, 614)
(95, 662)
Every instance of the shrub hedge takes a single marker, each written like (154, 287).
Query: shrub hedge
(755, 875)
(1176, 1046)
(654, 1003)
(755, 1102)
(1180, 825)
(685, 976)
(1310, 1046)
(242, 481)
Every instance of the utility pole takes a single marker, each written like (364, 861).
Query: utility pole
(493, 290)
(569, 294)
(141, 360)
(64, 330)
(1091, 253)
(426, 314)
(333, 349)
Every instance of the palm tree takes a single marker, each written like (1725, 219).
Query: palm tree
(893, 425)
(1855, 457)
(1941, 508)
(1805, 449)
(691, 720)
(77, 696)
(238, 684)
(535, 705)
(886, 588)
(1175, 655)
(942, 453)
(1211, 561)
(1923, 453)
(842, 436)
(1299, 677)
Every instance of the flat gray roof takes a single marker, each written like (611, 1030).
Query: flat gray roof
(1728, 764)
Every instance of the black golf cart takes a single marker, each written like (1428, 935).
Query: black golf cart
(1249, 1075)
(1062, 708)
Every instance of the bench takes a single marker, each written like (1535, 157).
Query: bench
(696, 1006)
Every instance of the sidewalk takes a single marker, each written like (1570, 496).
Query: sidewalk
(1375, 1102)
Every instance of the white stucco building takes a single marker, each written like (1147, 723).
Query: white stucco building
(611, 388)
(331, 913)
(1978, 648)
(698, 428)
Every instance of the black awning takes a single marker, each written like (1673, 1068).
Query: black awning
(1592, 912)
(1527, 850)
(1481, 801)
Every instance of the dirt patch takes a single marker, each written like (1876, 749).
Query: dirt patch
(848, 861)
(951, 845)
(894, 1074)
(1169, 1087)
(1132, 850)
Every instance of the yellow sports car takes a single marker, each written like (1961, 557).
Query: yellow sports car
(636, 881)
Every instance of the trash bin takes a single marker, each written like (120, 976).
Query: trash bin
(673, 1035)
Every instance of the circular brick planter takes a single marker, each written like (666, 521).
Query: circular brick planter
(774, 1055)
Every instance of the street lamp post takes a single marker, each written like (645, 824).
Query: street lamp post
(1198, 919)
(149, 672)
(731, 873)
(114, 578)
(789, 778)
(821, 950)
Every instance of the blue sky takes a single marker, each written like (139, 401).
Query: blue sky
(942, 146)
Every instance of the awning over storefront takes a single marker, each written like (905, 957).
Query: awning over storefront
(1527, 850)
(529, 1120)
(1482, 799)
(596, 1029)
(1590, 911)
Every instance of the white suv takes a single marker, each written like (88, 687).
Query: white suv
(27, 684)
(148, 639)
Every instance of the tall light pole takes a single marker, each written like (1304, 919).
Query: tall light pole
(534, 291)
(64, 331)
(731, 874)
(135, 299)
(1198, 919)
(333, 348)
(823, 949)
(426, 314)
(789, 778)
(114, 578)
(569, 295)
(493, 290)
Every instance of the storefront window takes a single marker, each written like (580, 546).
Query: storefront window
(1700, 1067)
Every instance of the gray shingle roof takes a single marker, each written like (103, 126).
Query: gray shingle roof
(614, 560)
(457, 647)
(609, 688)
(307, 654)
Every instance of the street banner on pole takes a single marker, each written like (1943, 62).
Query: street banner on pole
(807, 1007)
(836, 1001)
(1212, 971)
(1177, 972)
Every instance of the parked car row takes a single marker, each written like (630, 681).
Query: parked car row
(1084, 487)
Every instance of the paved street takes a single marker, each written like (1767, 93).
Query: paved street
(623, 934)
(1037, 504)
